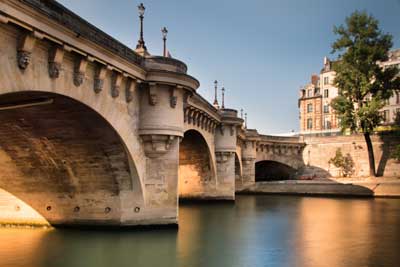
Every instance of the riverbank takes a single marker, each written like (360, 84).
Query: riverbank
(368, 187)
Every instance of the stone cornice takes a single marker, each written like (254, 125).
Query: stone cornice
(173, 78)
(198, 102)
(58, 13)
(164, 63)
(280, 139)
(30, 18)
(229, 116)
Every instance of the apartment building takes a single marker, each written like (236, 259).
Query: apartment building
(316, 114)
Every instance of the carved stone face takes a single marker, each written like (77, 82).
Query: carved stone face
(23, 59)
(129, 95)
(153, 99)
(115, 91)
(78, 78)
(54, 69)
(98, 85)
(173, 100)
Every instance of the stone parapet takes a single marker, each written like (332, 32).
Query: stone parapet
(164, 63)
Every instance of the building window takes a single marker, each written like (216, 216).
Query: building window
(326, 80)
(326, 93)
(385, 115)
(309, 108)
(309, 93)
(327, 124)
(326, 108)
(309, 123)
(397, 98)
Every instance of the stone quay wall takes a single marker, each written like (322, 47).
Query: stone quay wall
(319, 150)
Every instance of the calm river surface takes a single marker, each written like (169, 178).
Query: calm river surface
(256, 231)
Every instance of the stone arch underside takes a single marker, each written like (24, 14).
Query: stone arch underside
(238, 168)
(196, 178)
(60, 162)
(268, 170)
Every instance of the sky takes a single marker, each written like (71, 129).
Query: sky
(261, 51)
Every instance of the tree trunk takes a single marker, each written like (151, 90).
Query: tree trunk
(371, 157)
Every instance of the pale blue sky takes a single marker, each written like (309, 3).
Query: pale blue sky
(261, 51)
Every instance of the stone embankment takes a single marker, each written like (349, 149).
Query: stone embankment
(368, 187)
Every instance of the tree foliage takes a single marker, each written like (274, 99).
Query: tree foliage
(396, 153)
(363, 84)
(345, 163)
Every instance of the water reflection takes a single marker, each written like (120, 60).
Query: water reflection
(255, 231)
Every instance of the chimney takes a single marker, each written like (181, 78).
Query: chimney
(314, 79)
(325, 61)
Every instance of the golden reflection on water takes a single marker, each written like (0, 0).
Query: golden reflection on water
(19, 247)
(336, 232)
(274, 231)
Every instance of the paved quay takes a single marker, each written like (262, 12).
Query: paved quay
(371, 187)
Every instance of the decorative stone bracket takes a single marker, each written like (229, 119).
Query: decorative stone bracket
(99, 77)
(56, 56)
(231, 127)
(222, 129)
(80, 71)
(153, 94)
(116, 84)
(156, 145)
(223, 156)
(24, 50)
(248, 161)
(173, 99)
(250, 144)
(130, 89)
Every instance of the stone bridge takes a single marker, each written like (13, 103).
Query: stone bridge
(94, 133)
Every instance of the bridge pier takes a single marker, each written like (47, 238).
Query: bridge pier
(249, 152)
(225, 149)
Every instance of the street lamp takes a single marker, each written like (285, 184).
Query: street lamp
(223, 97)
(215, 95)
(141, 10)
(164, 32)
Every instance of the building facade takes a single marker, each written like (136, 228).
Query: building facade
(316, 114)
(391, 111)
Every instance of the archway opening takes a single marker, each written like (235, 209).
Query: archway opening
(238, 172)
(272, 171)
(60, 162)
(195, 169)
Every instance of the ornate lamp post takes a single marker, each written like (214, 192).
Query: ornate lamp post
(140, 44)
(215, 96)
(223, 97)
(164, 32)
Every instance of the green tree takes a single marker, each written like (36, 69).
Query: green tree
(363, 85)
(344, 163)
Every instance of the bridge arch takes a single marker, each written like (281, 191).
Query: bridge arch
(238, 168)
(269, 170)
(197, 174)
(64, 161)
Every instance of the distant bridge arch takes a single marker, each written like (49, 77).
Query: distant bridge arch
(197, 174)
(268, 170)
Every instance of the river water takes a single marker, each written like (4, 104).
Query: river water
(255, 231)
